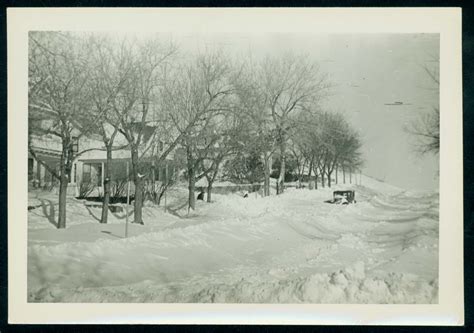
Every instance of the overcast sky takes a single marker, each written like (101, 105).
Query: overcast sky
(367, 71)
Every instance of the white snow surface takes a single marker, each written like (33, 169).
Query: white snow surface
(291, 248)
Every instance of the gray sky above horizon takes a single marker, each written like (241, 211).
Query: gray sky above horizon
(366, 71)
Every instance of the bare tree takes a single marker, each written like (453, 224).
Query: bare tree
(334, 131)
(290, 84)
(325, 140)
(296, 148)
(110, 70)
(228, 130)
(308, 136)
(345, 147)
(137, 103)
(426, 127)
(198, 93)
(254, 105)
(58, 102)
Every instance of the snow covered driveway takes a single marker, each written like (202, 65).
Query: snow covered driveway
(288, 249)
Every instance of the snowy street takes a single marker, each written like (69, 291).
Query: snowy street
(291, 248)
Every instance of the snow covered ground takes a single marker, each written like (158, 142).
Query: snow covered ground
(291, 248)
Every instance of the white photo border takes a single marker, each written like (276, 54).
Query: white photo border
(445, 21)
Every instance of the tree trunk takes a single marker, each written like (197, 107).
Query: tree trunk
(267, 169)
(343, 175)
(105, 204)
(281, 178)
(266, 180)
(329, 179)
(315, 177)
(310, 184)
(63, 182)
(138, 182)
(191, 179)
(323, 181)
(350, 176)
(209, 191)
(191, 188)
(337, 170)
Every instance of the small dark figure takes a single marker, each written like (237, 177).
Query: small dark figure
(201, 196)
(246, 194)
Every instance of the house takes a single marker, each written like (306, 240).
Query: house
(88, 165)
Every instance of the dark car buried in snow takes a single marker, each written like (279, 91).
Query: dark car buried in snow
(342, 197)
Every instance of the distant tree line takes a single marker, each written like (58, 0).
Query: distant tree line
(425, 128)
(246, 120)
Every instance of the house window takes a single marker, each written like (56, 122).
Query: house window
(86, 173)
(30, 169)
(99, 174)
(92, 173)
(172, 171)
(157, 173)
(75, 144)
(164, 174)
(48, 176)
(74, 173)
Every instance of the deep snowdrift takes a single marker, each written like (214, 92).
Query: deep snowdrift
(288, 249)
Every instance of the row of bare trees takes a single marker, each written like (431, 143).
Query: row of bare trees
(324, 144)
(208, 107)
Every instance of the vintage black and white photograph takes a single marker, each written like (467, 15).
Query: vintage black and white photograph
(173, 166)
(233, 168)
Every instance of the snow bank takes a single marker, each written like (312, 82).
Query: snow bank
(292, 248)
(350, 285)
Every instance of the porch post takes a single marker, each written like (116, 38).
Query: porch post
(128, 185)
(79, 172)
(41, 175)
(34, 177)
(153, 171)
(102, 175)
